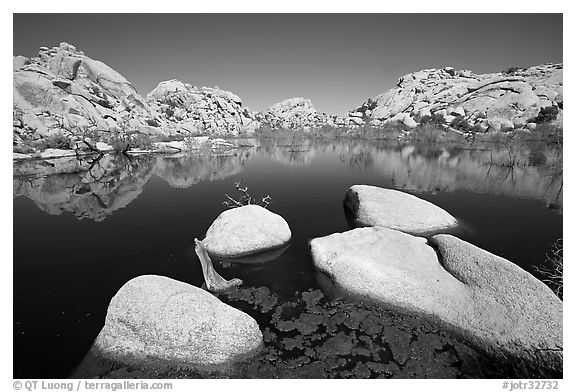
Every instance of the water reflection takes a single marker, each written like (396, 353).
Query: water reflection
(95, 188)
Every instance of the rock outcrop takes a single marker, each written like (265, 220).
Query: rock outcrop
(64, 100)
(295, 114)
(489, 102)
(246, 230)
(488, 300)
(157, 322)
(202, 110)
(373, 206)
(65, 93)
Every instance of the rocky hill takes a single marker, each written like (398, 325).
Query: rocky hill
(202, 110)
(66, 101)
(295, 114)
(64, 93)
(516, 98)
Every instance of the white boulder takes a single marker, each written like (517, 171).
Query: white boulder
(374, 206)
(246, 230)
(158, 321)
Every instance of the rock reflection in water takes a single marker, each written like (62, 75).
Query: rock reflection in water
(95, 188)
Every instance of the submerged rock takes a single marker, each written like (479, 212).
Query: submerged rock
(246, 230)
(489, 301)
(158, 322)
(374, 206)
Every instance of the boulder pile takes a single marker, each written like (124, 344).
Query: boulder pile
(64, 100)
(201, 110)
(295, 114)
(74, 101)
(515, 98)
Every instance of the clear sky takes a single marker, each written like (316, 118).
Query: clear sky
(336, 60)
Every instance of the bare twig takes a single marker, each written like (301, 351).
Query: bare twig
(245, 198)
(553, 273)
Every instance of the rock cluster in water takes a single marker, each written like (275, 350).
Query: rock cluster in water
(491, 302)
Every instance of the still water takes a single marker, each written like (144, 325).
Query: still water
(84, 228)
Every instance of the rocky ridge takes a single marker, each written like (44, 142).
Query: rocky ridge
(201, 110)
(64, 93)
(296, 114)
(65, 100)
(500, 101)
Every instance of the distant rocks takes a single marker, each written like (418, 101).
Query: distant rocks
(201, 110)
(160, 322)
(493, 303)
(66, 100)
(246, 230)
(374, 206)
(294, 114)
(480, 103)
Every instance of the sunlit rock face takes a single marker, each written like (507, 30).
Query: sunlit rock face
(374, 206)
(196, 110)
(490, 301)
(63, 91)
(154, 321)
(497, 101)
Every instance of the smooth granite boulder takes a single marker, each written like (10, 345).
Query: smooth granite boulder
(246, 230)
(489, 301)
(373, 206)
(154, 321)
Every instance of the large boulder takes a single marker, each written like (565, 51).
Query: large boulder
(246, 230)
(491, 302)
(373, 206)
(154, 321)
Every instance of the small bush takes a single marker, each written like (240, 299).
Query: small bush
(513, 70)
(435, 118)
(553, 270)
(461, 124)
(58, 141)
(546, 114)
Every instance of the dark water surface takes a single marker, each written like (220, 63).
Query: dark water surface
(80, 235)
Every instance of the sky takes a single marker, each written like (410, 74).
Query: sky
(336, 60)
